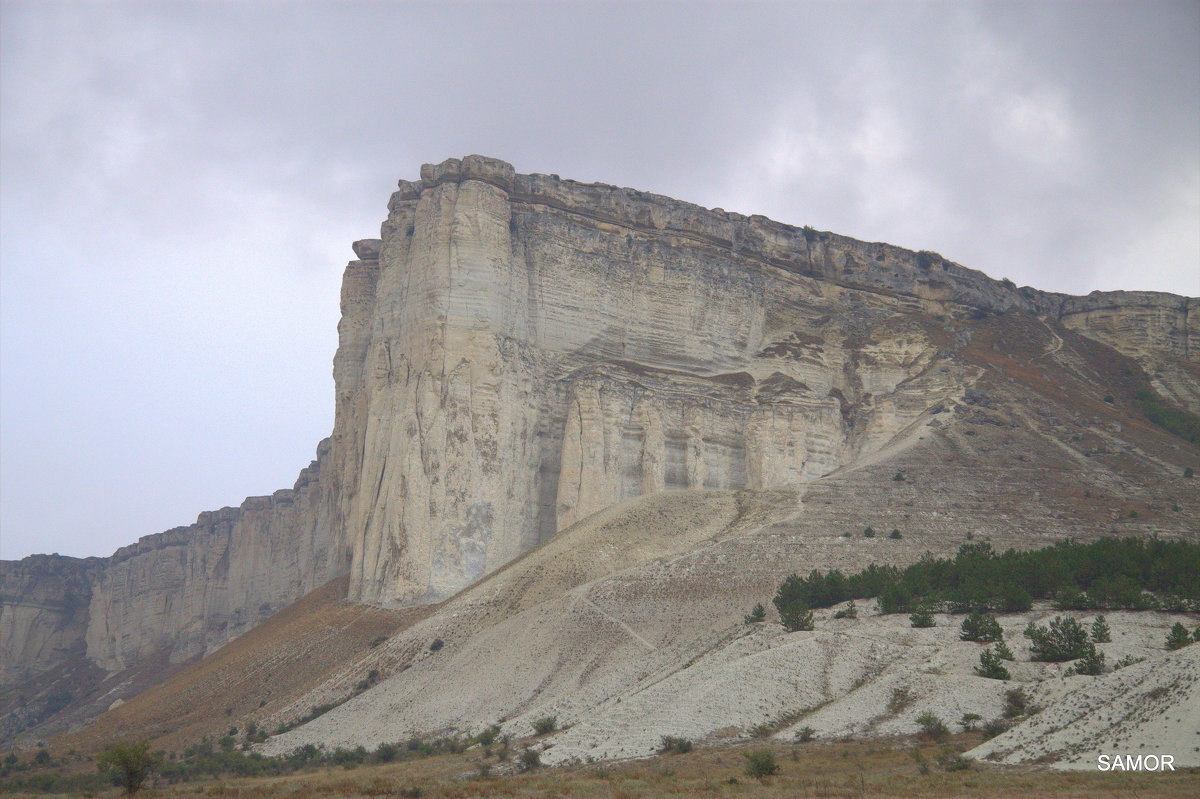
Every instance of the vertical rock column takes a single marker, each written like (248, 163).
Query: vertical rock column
(450, 463)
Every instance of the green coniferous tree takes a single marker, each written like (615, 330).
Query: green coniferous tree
(990, 666)
(981, 627)
(1100, 632)
(1064, 639)
(795, 616)
(922, 617)
(1091, 663)
(757, 614)
(1178, 638)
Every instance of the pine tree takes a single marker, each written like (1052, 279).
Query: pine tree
(1002, 651)
(795, 616)
(981, 627)
(1100, 632)
(757, 614)
(922, 617)
(1064, 639)
(1178, 638)
(991, 667)
(1091, 663)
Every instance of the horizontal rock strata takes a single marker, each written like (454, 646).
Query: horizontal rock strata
(517, 352)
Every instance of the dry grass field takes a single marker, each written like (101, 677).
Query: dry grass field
(847, 770)
(253, 675)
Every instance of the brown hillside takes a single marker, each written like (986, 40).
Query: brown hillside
(252, 676)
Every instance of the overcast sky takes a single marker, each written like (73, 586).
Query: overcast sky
(181, 183)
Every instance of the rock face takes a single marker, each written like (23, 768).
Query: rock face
(43, 612)
(182, 592)
(1160, 331)
(528, 350)
(517, 352)
(191, 589)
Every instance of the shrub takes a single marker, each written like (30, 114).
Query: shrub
(760, 763)
(529, 760)
(488, 736)
(1016, 703)
(1188, 472)
(545, 725)
(349, 758)
(953, 761)
(848, 612)
(981, 627)
(805, 734)
(926, 259)
(901, 698)
(869, 533)
(128, 764)
(932, 726)
(437, 644)
(1196, 633)
(895, 534)
(922, 617)
(1064, 639)
(673, 743)
(380, 640)
(969, 720)
(386, 753)
(1100, 632)
(991, 667)
(992, 729)
(919, 759)
(756, 614)
(899, 478)
(1178, 638)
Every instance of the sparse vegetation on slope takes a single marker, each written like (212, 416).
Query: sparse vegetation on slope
(868, 770)
(1169, 417)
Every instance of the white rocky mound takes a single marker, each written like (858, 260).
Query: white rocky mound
(625, 638)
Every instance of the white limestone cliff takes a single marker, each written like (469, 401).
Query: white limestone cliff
(517, 352)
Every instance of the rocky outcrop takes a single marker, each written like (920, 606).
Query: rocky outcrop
(43, 612)
(1160, 331)
(191, 589)
(517, 352)
(528, 350)
(183, 592)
